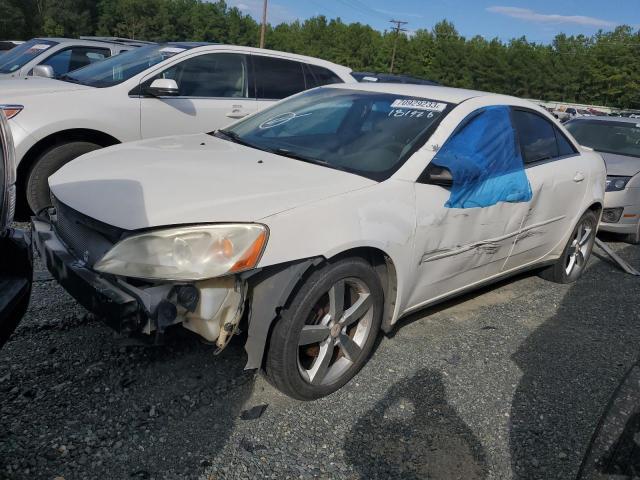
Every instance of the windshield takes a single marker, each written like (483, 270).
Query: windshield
(622, 138)
(367, 133)
(17, 57)
(120, 68)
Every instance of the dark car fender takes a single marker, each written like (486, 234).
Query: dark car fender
(16, 272)
(269, 290)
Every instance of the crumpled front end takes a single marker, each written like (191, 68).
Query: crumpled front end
(70, 243)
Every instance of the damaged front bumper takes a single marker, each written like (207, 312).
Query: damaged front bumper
(211, 308)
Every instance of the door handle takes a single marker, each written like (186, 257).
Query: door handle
(236, 112)
(579, 177)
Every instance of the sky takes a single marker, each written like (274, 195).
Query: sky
(539, 20)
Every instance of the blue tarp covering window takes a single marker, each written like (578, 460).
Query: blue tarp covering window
(484, 159)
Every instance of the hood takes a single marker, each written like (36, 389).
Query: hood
(192, 179)
(624, 166)
(15, 88)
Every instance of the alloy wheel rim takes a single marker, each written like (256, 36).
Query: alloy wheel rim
(335, 333)
(579, 248)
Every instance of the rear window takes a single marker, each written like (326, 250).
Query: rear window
(536, 135)
(324, 76)
(277, 78)
(621, 138)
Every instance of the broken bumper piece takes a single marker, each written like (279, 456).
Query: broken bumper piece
(92, 291)
(211, 308)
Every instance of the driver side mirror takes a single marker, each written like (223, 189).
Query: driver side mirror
(45, 71)
(435, 175)
(162, 87)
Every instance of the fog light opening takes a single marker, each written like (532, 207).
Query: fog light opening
(612, 215)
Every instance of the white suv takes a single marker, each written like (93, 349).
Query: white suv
(153, 91)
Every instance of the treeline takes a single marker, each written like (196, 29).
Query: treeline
(602, 69)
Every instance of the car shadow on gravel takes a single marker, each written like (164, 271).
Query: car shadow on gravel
(413, 433)
(78, 403)
(570, 367)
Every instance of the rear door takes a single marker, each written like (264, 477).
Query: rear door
(214, 90)
(558, 183)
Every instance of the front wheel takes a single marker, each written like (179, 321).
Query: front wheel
(326, 333)
(576, 254)
(37, 191)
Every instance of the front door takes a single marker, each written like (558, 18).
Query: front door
(468, 236)
(213, 92)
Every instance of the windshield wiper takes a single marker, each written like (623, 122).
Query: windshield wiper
(288, 153)
(232, 136)
(67, 78)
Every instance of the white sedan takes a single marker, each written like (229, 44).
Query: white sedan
(320, 221)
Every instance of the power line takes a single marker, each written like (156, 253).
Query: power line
(398, 28)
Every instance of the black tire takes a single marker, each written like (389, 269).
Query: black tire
(283, 365)
(558, 271)
(37, 187)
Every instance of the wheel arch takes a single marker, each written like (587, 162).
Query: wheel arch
(596, 208)
(273, 287)
(387, 272)
(50, 141)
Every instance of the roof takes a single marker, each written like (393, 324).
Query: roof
(292, 56)
(433, 92)
(391, 78)
(635, 121)
(190, 44)
(78, 41)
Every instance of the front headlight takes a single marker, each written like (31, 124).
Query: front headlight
(187, 253)
(615, 184)
(11, 111)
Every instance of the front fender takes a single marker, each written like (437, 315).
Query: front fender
(269, 290)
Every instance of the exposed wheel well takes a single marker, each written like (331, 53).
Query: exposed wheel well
(596, 208)
(58, 138)
(386, 270)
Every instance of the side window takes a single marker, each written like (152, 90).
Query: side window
(485, 162)
(564, 146)
(277, 78)
(74, 58)
(324, 76)
(213, 75)
(537, 136)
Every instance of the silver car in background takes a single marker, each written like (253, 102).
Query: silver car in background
(54, 57)
(617, 139)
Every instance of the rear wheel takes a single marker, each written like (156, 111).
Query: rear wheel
(576, 254)
(325, 335)
(37, 188)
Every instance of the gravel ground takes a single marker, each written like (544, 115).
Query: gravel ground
(506, 383)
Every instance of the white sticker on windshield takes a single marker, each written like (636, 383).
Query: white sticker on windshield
(39, 46)
(281, 119)
(419, 105)
(172, 50)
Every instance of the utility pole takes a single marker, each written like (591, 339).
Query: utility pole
(264, 24)
(398, 28)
